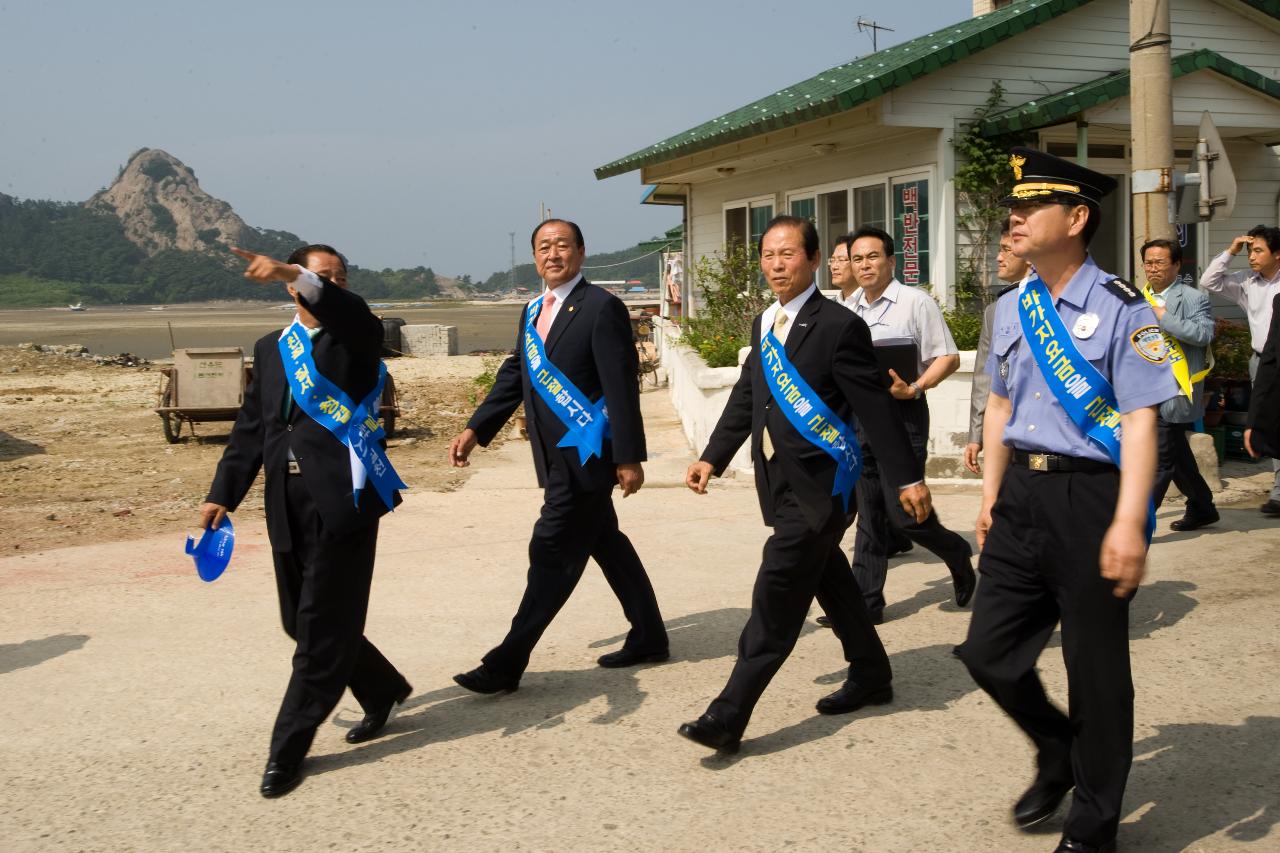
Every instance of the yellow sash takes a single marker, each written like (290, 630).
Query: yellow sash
(1177, 358)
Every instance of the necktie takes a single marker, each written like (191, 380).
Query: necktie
(286, 411)
(780, 332)
(544, 316)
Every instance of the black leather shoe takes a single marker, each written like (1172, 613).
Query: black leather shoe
(851, 696)
(1270, 508)
(962, 575)
(370, 727)
(630, 657)
(1194, 522)
(1040, 801)
(824, 621)
(1070, 845)
(708, 731)
(280, 779)
(483, 680)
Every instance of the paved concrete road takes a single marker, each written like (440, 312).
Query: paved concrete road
(140, 699)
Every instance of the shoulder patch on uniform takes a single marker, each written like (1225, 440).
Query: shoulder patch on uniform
(1149, 343)
(1123, 289)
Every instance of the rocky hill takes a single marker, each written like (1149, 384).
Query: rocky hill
(162, 206)
(153, 236)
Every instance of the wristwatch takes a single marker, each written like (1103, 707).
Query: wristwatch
(919, 391)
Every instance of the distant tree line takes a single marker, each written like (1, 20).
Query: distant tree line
(66, 251)
(644, 268)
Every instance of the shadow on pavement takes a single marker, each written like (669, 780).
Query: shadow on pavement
(35, 652)
(704, 636)
(12, 447)
(452, 713)
(1202, 778)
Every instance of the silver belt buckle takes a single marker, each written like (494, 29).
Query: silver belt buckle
(1038, 461)
(294, 467)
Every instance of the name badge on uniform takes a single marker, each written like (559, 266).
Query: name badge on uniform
(1085, 326)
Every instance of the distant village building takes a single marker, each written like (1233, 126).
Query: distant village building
(870, 142)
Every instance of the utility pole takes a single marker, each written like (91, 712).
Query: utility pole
(864, 25)
(512, 275)
(1151, 121)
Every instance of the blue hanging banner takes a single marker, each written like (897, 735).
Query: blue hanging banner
(587, 423)
(1081, 389)
(328, 405)
(213, 551)
(811, 417)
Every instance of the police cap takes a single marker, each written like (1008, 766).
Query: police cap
(1043, 177)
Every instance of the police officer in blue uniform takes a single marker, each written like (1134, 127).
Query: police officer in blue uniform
(1078, 370)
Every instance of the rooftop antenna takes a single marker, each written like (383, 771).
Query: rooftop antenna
(865, 25)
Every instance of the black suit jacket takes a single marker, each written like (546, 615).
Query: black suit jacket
(1264, 402)
(592, 345)
(830, 347)
(346, 352)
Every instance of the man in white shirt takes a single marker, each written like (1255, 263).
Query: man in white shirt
(842, 274)
(1254, 291)
(897, 315)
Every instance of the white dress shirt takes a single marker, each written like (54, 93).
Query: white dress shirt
(907, 315)
(1247, 289)
(562, 293)
(792, 308)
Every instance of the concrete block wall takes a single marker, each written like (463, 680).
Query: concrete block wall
(698, 393)
(429, 339)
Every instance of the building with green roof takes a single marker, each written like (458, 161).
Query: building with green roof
(871, 141)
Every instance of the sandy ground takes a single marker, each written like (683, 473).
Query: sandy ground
(83, 457)
(142, 699)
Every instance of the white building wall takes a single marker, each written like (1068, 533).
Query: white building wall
(912, 151)
(1080, 46)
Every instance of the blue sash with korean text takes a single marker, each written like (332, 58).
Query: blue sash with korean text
(1081, 389)
(811, 417)
(587, 423)
(354, 425)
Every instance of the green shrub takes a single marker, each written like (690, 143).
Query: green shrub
(965, 326)
(1232, 346)
(732, 294)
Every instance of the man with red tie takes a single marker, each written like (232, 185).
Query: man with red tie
(574, 368)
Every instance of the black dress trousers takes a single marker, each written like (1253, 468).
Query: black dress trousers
(572, 527)
(881, 519)
(1175, 463)
(323, 583)
(1040, 568)
(798, 564)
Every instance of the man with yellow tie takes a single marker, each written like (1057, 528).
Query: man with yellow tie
(1186, 321)
(811, 371)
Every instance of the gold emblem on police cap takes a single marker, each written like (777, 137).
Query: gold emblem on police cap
(1017, 161)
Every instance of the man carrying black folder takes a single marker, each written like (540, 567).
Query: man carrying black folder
(917, 351)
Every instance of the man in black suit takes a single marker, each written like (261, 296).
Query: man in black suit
(322, 538)
(584, 333)
(830, 348)
(1262, 435)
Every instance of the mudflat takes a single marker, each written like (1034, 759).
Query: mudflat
(145, 330)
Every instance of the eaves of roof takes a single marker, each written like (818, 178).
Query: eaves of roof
(847, 86)
(1044, 112)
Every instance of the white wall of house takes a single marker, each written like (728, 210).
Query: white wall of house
(1080, 46)
(910, 153)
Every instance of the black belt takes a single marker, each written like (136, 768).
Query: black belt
(1054, 462)
(1258, 354)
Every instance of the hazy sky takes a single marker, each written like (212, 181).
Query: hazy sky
(405, 133)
